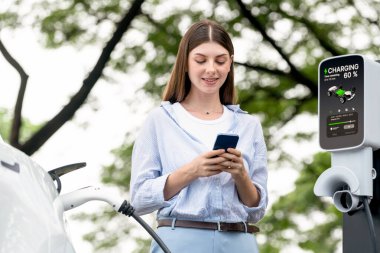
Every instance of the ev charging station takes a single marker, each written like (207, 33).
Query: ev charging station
(349, 128)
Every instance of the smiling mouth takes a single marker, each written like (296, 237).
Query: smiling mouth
(210, 80)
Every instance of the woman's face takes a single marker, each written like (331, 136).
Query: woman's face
(208, 67)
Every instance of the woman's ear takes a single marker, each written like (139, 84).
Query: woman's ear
(232, 59)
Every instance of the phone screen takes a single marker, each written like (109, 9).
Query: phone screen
(226, 141)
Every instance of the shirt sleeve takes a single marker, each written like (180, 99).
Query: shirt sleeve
(259, 176)
(147, 181)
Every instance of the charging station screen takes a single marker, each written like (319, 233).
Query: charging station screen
(341, 102)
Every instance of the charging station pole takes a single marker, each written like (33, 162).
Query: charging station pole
(349, 127)
(356, 236)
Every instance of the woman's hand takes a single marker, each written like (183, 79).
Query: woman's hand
(234, 164)
(207, 164)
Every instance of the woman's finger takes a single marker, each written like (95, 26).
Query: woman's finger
(234, 151)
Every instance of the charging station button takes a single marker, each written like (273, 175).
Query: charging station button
(349, 126)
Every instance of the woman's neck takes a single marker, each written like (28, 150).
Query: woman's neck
(203, 105)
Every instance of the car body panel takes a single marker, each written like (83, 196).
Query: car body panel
(31, 215)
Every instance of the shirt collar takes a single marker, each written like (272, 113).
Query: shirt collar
(169, 109)
(235, 108)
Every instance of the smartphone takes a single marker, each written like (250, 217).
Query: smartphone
(226, 141)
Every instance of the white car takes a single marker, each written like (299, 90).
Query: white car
(32, 216)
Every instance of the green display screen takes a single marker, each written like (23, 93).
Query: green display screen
(341, 102)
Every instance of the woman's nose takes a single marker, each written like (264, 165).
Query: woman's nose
(210, 68)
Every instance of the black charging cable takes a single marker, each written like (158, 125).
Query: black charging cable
(128, 210)
(370, 224)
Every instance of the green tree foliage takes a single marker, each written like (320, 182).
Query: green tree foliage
(278, 47)
(296, 217)
(5, 122)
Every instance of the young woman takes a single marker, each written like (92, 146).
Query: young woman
(206, 199)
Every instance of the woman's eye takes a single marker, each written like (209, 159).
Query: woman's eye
(201, 61)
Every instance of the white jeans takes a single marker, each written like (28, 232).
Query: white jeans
(191, 240)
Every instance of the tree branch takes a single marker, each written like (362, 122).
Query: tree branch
(46, 131)
(14, 137)
(297, 75)
(322, 40)
(263, 69)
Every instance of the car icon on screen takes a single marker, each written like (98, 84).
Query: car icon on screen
(342, 94)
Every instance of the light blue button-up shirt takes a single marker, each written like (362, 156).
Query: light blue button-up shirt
(163, 146)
